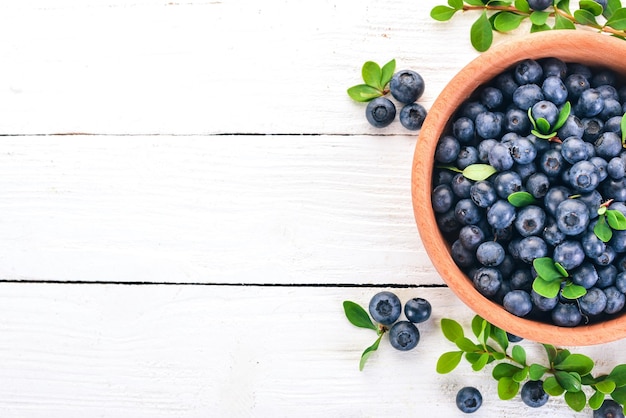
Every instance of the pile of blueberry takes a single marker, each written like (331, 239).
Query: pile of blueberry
(385, 308)
(554, 131)
(406, 87)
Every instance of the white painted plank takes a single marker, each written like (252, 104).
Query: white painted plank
(197, 351)
(200, 67)
(226, 209)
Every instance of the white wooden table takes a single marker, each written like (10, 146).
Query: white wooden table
(188, 195)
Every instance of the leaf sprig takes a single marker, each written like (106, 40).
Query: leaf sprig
(375, 81)
(541, 127)
(552, 278)
(508, 15)
(564, 373)
(608, 220)
(360, 318)
(476, 172)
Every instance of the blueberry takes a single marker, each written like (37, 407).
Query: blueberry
(592, 128)
(461, 186)
(614, 300)
(467, 213)
(518, 302)
(490, 254)
(513, 338)
(593, 302)
(539, 5)
(469, 399)
(463, 129)
(507, 84)
(607, 276)
(566, 315)
(525, 96)
(471, 109)
(603, 77)
(608, 145)
(447, 222)
(543, 303)
(620, 281)
(574, 149)
(487, 280)
(525, 170)
(554, 90)
(572, 216)
(412, 116)
(521, 279)
(606, 257)
(547, 110)
(523, 151)
(593, 200)
(613, 124)
(578, 68)
(380, 112)
(551, 162)
(614, 189)
(461, 255)
(500, 157)
(552, 234)
(609, 408)
(592, 245)
(442, 198)
(610, 109)
(601, 165)
(554, 197)
(532, 393)
(501, 214)
(607, 91)
(576, 84)
(385, 307)
(584, 176)
(507, 182)
(447, 150)
(569, 254)
(585, 275)
(553, 67)
(530, 220)
(589, 104)
(618, 241)
(516, 120)
(404, 336)
(532, 247)
(538, 185)
(484, 147)
(467, 156)
(417, 310)
(406, 86)
(483, 194)
(471, 236)
(573, 126)
(491, 97)
(616, 168)
(528, 71)
(442, 176)
(488, 125)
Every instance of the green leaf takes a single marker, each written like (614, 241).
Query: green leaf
(451, 168)
(564, 5)
(602, 230)
(368, 351)
(561, 269)
(456, 4)
(539, 28)
(507, 388)
(371, 73)
(507, 21)
(477, 325)
(561, 22)
(357, 315)
(543, 126)
(478, 172)
(551, 352)
(617, 20)
(451, 329)
(573, 291)
(499, 336)
(519, 354)
(596, 400)
(387, 72)
(578, 363)
(521, 199)
(618, 375)
(539, 18)
(570, 381)
(611, 7)
(448, 361)
(623, 128)
(619, 395)
(593, 7)
(563, 115)
(605, 386)
(481, 35)
(546, 269)
(536, 371)
(363, 93)
(576, 400)
(585, 17)
(552, 386)
(481, 362)
(442, 13)
(561, 355)
(616, 219)
(466, 344)
(522, 6)
(521, 375)
(504, 370)
(545, 288)
(475, 2)
(485, 334)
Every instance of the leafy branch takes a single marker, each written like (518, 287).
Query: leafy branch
(360, 318)
(564, 373)
(608, 220)
(542, 128)
(507, 16)
(375, 80)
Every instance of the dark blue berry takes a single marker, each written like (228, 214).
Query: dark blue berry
(547, 110)
(552, 234)
(576, 84)
(593, 302)
(491, 97)
(461, 255)
(483, 194)
(461, 186)
(412, 116)
(607, 275)
(385, 307)
(442, 198)
(589, 104)
(551, 162)
(518, 302)
(516, 120)
(490, 253)
(554, 197)
(507, 182)
(501, 214)
(574, 149)
(488, 125)
(572, 216)
(447, 150)
(525, 96)
(554, 90)
(469, 399)
(521, 279)
(417, 310)
(467, 156)
(585, 275)
(614, 300)
(543, 303)
(467, 213)
(523, 151)
(608, 145)
(500, 158)
(569, 254)
(487, 280)
(609, 408)
(471, 109)
(566, 315)
(538, 185)
(471, 236)
(484, 147)
(572, 127)
(539, 5)
(553, 67)
(528, 71)
(404, 336)
(463, 129)
(592, 128)
(532, 392)
(380, 112)
(532, 247)
(584, 176)
(507, 84)
(406, 86)
(530, 220)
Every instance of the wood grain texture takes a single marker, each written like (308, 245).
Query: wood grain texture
(197, 351)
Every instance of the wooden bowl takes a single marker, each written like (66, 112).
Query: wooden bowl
(580, 46)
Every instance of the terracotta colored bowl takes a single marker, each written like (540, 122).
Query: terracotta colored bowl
(570, 46)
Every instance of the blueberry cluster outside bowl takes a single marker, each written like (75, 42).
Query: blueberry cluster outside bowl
(584, 47)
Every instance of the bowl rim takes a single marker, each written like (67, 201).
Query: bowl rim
(580, 46)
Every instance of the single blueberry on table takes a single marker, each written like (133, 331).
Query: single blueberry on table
(518, 302)
(404, 336)
(417, 310)
(380, 112)
(532, 393)
(412, 116)
(406, 86)
(609, 408)
(469, 399)
(385, 307)
(566, 315)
